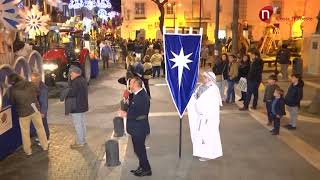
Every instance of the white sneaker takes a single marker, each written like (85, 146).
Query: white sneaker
(48, 143)
(203, 159)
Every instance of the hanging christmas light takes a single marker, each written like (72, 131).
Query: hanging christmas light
(103, 14)
(87, 23)
(54, 3)
(34, 23)
(75, 4)
(90, 4)
(103, 4)
(113, 14)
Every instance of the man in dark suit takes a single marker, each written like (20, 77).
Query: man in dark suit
(138, 125)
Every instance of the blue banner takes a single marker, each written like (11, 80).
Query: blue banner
(182, 54)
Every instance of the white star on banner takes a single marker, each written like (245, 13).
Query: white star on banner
(181, 62)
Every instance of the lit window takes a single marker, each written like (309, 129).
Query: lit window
(140, 9)
(170, 10)
(277, 7)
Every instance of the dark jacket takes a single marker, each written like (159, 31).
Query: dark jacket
(244, 69)
(279, 107)
(137, 115)
(294, 94)
(138, 69)
(221, 68)
(43, 98)
(283, 56)
(255, 72)
(269, 91)
(22, 95)
(79, 92)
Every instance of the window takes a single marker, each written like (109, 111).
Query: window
(243, 9)
(170, 9)
(277, 7)
(140, 9)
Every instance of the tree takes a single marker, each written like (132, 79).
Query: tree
(235, 31)
(160, 4)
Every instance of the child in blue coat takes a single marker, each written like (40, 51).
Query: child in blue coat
(277, 110)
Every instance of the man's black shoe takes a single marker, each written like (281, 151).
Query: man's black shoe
(243, 109)
(253, 107)
(287, 126)
(292, 128)
(137, 170)
(275, 133)
(143, 173)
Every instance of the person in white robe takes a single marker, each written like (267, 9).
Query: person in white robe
(204, 119)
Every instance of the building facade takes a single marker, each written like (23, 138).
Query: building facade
(144, 15)
(294, 18)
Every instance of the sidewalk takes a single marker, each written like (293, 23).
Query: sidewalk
(61, 162)
(308, 124)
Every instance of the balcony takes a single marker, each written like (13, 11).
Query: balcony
(194, 16)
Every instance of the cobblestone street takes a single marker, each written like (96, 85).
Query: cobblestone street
(250, 152)
(60, 162)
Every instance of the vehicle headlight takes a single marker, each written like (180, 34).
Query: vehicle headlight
(50, 67)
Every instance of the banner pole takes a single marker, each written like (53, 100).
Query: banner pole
(180, 134)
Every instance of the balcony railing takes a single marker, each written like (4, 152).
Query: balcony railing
(206, 15)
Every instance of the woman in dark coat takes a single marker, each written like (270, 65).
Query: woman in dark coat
(244, 69)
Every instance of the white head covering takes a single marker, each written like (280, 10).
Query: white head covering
(210, 75)
(205, 86)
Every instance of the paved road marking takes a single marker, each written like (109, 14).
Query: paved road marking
(309, 153)
(163, 84)
(305, 150)
(167, 114)
(312, 84)
(114, 173)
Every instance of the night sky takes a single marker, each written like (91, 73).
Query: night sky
(116, 4)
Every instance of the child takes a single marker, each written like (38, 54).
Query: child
(277, 110)
(268, 95)
(293, 98)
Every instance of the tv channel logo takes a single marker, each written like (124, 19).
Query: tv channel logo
(266, 13)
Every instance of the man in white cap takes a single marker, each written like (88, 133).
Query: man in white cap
(204, 119)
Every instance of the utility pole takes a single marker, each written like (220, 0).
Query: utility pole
(174, 14)
(216, 30)
(200, 13)
(235, 26)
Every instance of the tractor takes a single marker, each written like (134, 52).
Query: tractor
(65, 48)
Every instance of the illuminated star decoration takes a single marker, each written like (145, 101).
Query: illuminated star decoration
(181, 62)
(9, 14)
(35, 23)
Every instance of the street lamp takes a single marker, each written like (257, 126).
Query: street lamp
(174, 4)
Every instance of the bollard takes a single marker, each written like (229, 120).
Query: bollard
(297, 66)
(112, 153)
(118, 127)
